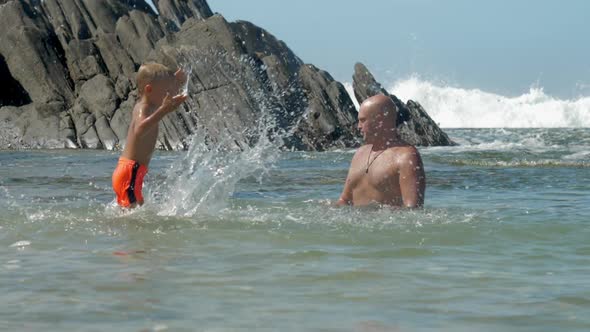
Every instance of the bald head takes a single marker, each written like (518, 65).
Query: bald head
(380, 107)
(377, 119)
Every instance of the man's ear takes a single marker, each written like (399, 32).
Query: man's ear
(148, 89)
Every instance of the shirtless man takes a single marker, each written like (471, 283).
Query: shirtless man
(386, 170)
(156, 84)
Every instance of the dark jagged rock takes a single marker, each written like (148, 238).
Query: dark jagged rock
(227, 93)
(68, 70)
(11, 91)
(413, 123)
(261, 43)
(138, 34)
(318, 109)
(176, 12)
(69, 66)
(33, 54)
(51, 48)
(329, 105)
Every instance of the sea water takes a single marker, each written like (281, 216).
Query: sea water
(248, 240)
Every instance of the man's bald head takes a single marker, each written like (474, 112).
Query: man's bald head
(377, 118)
(380, 107)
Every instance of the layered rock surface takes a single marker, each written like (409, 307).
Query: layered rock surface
(68, 67)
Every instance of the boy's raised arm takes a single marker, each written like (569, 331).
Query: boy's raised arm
(169, 105)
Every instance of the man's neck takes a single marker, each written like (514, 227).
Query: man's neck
(387, 141)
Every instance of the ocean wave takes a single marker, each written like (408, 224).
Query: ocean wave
(548, 163)
(455, 107)
(496, 145)
(350, 89)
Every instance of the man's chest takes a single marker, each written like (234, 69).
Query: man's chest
(381, 176)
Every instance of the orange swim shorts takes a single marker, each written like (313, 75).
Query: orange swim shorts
(128, 182)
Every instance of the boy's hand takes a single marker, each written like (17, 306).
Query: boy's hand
(170, 104)
(181, 76)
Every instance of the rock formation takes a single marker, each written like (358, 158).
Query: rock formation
(68, 68)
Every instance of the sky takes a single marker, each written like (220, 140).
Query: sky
(500, 46)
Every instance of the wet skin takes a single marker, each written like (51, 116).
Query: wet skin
(387, 170)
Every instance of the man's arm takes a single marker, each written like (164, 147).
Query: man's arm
(169, 105)
(346, 196)
(412, 179)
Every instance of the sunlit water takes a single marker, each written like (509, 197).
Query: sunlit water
(248, 240)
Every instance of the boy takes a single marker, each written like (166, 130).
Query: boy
(155, 83)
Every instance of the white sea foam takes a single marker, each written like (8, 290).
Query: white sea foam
(20, 244)
(455, 107)
(349, 88)
(581, 155)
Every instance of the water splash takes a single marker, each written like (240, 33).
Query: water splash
(204, 179)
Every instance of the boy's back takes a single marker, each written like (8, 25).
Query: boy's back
(156, 83)
(140, 145)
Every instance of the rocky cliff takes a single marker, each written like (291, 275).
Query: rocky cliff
(68, 66)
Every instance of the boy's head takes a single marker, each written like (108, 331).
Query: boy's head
(154, 81)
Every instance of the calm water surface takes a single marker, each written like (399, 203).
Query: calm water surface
(247, 241)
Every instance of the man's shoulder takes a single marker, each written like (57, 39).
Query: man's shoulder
(406, 149)
(405, 152)
(403, 147)
(362, 150)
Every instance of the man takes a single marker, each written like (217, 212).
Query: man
(386, 170)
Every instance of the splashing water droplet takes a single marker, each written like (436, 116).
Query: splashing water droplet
(20, 244)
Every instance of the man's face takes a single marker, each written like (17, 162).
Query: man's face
(362, 124)
(366, 124)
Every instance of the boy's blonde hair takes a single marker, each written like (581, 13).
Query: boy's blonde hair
(151, 72)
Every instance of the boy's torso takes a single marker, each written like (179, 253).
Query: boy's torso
(141, 148)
